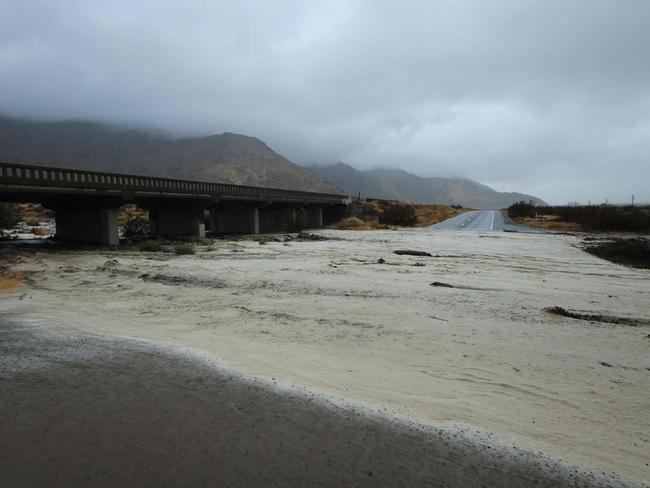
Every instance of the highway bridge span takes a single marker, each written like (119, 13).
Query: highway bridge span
(85, 203)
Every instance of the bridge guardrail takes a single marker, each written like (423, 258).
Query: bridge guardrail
(82, 179)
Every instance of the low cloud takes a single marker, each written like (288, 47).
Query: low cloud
(548, 98)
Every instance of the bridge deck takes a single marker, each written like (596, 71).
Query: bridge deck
(30, 180)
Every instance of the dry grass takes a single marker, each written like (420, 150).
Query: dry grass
(432, 214)
(10, 280)
(33, 212)
(39, 231)
(353, 223)
(549, 222)
(128, 212)
(369, 215)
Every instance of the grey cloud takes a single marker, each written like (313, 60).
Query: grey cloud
(549, 98)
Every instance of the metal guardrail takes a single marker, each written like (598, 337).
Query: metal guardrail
(21, 174)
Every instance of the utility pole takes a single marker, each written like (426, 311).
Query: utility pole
(633, 200)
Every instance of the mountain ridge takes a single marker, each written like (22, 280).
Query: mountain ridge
(226, 158)
(398, 184)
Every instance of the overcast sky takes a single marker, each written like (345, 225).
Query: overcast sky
(548, 97)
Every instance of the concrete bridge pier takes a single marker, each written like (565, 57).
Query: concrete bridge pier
(277, 218)
(235, 219)
(92, 225)
(314, 216)
(179, 220)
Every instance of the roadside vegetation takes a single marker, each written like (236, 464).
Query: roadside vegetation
(398, 214)
(386, 214)
(602, 218)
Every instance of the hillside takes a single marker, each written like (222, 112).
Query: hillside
(397, 184)
(229, 158)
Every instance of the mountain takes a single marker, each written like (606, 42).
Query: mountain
(226, 158)
(397, 184)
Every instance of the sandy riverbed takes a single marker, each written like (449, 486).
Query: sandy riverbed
(326, 315)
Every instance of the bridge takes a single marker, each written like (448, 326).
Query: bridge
(85, 203)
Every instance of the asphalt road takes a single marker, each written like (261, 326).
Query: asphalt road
(474, 220)
(482, 220)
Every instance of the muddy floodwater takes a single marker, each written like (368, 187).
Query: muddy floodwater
(347, 318)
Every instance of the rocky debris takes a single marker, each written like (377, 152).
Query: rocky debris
(306, 236)
(441, 284)
(590, 317)
(437, 318)
(381, 261)
(180, 280)
(109, 265)
(410, 252)
(263, 239)
(266, 238)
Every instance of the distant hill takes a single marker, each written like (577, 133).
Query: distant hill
(396, 184)
(228, 158)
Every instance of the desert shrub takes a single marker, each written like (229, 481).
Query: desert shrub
(607, 217)
(8, 215)
(398, 214)
(522, 209)
(150, 246)
(130, 211)
(367, 211)
(135, 227)
(429, 214)
(595, 217)
(184, 248)
(351, 223)
(39, 231)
